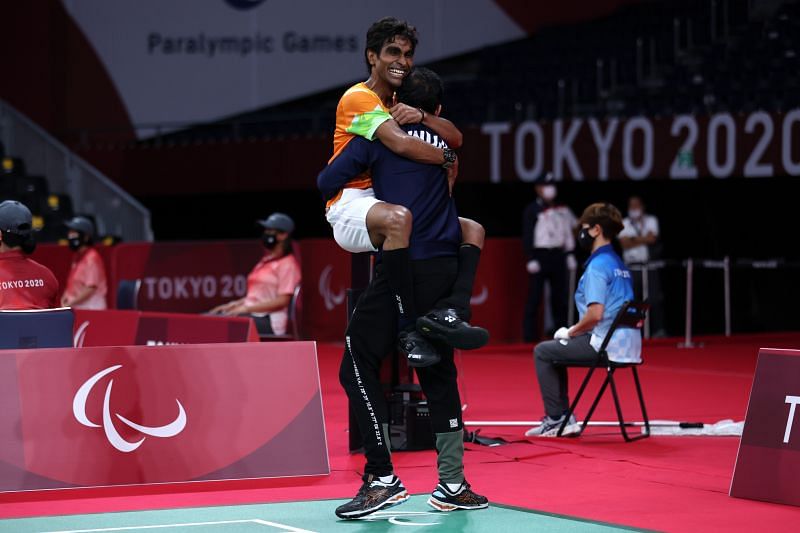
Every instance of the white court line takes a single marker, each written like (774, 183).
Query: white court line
(188, 524)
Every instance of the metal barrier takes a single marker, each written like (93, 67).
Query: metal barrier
(115, 211)
(691, 264)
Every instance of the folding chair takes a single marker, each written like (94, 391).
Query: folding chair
(631, 315)
(293, 329)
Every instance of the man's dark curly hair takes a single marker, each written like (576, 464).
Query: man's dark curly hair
(384, 31)
(421, 88)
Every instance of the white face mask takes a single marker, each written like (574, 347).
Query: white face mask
(635, 213)
(549, 192)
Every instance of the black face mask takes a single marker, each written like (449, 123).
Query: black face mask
(269, 241)
(585, 240)
(74, 243)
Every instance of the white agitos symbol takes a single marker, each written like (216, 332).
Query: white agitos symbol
(480, 298)
(113, 436)
(80, 335)
(331, 299)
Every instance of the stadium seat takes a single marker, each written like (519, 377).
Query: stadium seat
(32, 186)
(60, 204)
(13, 166)
(41, 328)
(128, 293)
(293, 325)
(631, 315)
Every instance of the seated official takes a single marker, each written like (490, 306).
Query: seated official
(86, 283)
(602, 290)
(24, 283)
(271, 283)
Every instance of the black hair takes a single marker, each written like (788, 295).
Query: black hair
(421, 88)
(23, 239)
(384, 31)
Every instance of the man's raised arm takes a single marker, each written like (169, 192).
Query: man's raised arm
(403, 144)
(405, 114)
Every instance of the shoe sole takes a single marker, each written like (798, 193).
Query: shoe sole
(464, 339)
(572, 430)
(422, 362)
(446, 507)
(397, 499)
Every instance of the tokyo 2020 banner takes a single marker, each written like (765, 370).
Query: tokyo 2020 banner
(136, 414)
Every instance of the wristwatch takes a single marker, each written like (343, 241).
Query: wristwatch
(449, 157)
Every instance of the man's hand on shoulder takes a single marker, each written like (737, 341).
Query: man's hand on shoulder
(405, 114)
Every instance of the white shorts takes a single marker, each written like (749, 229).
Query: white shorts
(348, 218)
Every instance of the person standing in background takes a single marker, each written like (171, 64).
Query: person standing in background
(548, 241)
(26, 284)
(640, 244)
(86, 283)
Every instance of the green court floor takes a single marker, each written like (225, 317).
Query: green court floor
(308, 516)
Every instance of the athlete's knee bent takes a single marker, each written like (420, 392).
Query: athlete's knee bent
(398, 220)
(472, 232)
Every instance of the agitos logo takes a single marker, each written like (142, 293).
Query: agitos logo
(113, 436)
(243, 4)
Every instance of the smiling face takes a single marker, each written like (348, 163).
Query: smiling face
(392, 64)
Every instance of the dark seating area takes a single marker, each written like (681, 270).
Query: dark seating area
(649, 58)
(49, 209)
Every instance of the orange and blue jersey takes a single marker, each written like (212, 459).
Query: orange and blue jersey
(359, 114)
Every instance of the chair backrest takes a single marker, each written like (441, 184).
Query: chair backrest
(630, 315)
(40, 328)
(128, 293)
(294, 311)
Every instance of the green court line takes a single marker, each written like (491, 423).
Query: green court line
(311, 516)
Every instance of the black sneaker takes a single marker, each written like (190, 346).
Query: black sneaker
(419, 351)
(445, 325)
(373, 495)
(443, 499)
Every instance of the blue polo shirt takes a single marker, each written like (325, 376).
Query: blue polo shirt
(421, 188)
(606, 280)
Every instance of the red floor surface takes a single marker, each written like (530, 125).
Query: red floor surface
(661, 483)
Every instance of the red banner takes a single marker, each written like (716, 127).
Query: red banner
(193, 277)
(187, 277)
(131, 415)
(501, 289)
(768, 463)
(326, 278)
(125, 328)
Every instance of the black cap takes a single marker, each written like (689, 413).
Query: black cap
(82, 225)
(278, 221)
(15, 218)
(545, 178)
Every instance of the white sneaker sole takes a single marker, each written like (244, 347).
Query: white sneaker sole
(572, 430)
(447, 507)
(397, 499)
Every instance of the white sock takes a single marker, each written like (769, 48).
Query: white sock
(453, 487)
(386, 479)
